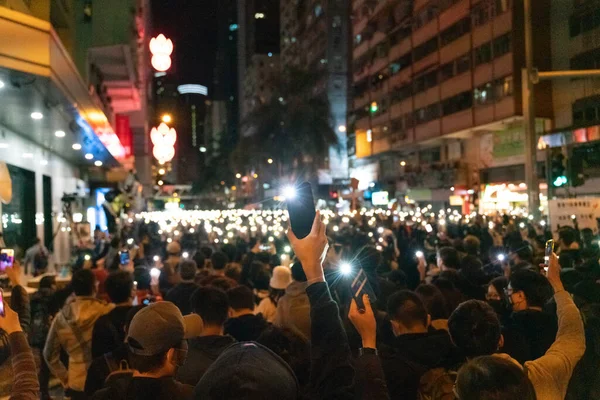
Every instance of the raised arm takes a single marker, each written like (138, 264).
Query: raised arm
(331, 373)
(25, 384)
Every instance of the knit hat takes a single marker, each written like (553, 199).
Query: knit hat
(282, 277)
(160, 327)
(245, 371)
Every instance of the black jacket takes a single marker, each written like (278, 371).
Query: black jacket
(109, 331)
(529, 334)
(202, 352)
(101, 367)
(180, 295)
(411, 355)
(126, 387)
(246, 328)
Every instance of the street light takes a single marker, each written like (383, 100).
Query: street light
(160, 183)
(238, 175)
(161, 171)
(167, 118)
(270, 161)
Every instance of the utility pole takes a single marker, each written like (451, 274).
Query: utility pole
(531, 179)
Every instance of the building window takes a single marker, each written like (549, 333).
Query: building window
(503, 87)
(585, 22)
(357, 39)
(425, 49)
(586, 112)
(400, 63)
(483, 54)
(457, 103)
(483, 94)
(318, 10)
(429, 156)
(427, 114)
(501, 45)
(401, 93)
(587, 60)
(457, 30)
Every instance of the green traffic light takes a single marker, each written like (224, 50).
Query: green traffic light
(560, 181)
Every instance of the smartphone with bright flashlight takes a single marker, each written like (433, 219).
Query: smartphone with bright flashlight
(301, 208)
(548, 253)
(7, 259)
(2, 313)
(360, 286)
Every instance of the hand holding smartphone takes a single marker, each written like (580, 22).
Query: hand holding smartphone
(548, 253)
(359, 287)
(7, 259)
(301, 208)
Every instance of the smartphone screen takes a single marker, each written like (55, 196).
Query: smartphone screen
(7, 259)
(301, 208)
(360, 286)
(1, 304)
(548, 252)
(124, 257)
(265, 247)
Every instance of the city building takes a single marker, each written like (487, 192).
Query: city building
(60, 125)
(576, 46)
(436, 106)
(257, 52)
(315, 36)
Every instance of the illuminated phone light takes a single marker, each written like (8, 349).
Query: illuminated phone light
(155, 273)
(345, 269)
(156, 258)
(501, 257)
(287, 249)
(419, 254)
(185, 254)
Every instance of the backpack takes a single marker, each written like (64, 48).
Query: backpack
(437, 384)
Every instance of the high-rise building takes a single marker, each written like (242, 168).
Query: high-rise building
(315, 36)
(436, 113)
(575, 36)
(258, 52)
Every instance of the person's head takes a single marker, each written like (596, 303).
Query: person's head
(566, 237)
(234, 272)
(407, 313)
(493, 378)
(48, 282)
(173, 249)
(156, 338)
(495, 289)
(291, 347)
(528, 289)
(398, 277)
(434, 301)
(84, 283)
(115, 242)
(207, 251)
(282, 277)
(200, 259)
(187, 270)
(521, 252)
(447, 258)
(298, 272)
(230, 250)
(219, 261)
(212, 305)
(472, 245)
(475, 329)
(241, 301)
(119, 287)
(248, 370)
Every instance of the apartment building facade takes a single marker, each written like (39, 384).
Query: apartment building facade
(437, 95)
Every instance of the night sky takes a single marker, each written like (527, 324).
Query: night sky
(192, 25)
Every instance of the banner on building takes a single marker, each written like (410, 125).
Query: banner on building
(582, 212)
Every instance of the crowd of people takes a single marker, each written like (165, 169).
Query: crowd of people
(226, 305)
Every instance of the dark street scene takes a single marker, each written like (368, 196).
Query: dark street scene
(299, 199)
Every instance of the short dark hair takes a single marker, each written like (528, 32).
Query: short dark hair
(200, 259)
(449, 257)
(211, 304)
(567, 234)
(472, 245)
(298, 272)
(118, 286)
(240, 297)
(187, 269)
(492, 378)
(145, 364)
(219, 260)
(474, 328)
(523, 250)
(47, 282)
(434, 301)
(534, 285)
(407, 308)
(83, 282)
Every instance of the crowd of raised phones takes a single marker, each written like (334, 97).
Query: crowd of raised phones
(229, 306)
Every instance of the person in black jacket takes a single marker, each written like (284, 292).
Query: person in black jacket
(181, 294)
(109, 329)
(416, 349)
(530, 331)
(243, 324)
(212, 305)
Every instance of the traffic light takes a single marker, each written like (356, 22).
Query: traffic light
(557, 168)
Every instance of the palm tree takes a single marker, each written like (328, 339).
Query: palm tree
(293, 127)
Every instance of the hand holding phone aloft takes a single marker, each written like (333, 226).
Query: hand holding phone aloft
(10, 320)
(312, 249)
(364, 322)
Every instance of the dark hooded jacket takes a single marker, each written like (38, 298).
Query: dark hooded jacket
(529, 334)
(202, 352)
(246, 328)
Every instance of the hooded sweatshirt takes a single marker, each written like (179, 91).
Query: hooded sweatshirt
(411, 355)
(550, 374)
(247, 327)
(528, 334)
(202, 352)
(293, 309)
(71, 330)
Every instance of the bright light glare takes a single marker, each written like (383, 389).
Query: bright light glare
(130, 241)
(289, 192)
(59, 134)
(37, 115)
(89, 156)
(287, 249)
(501, 257)
(155, 272)
(419, 254)
(345, 269)
(156, 258)
(76, 146)
(185, 254)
